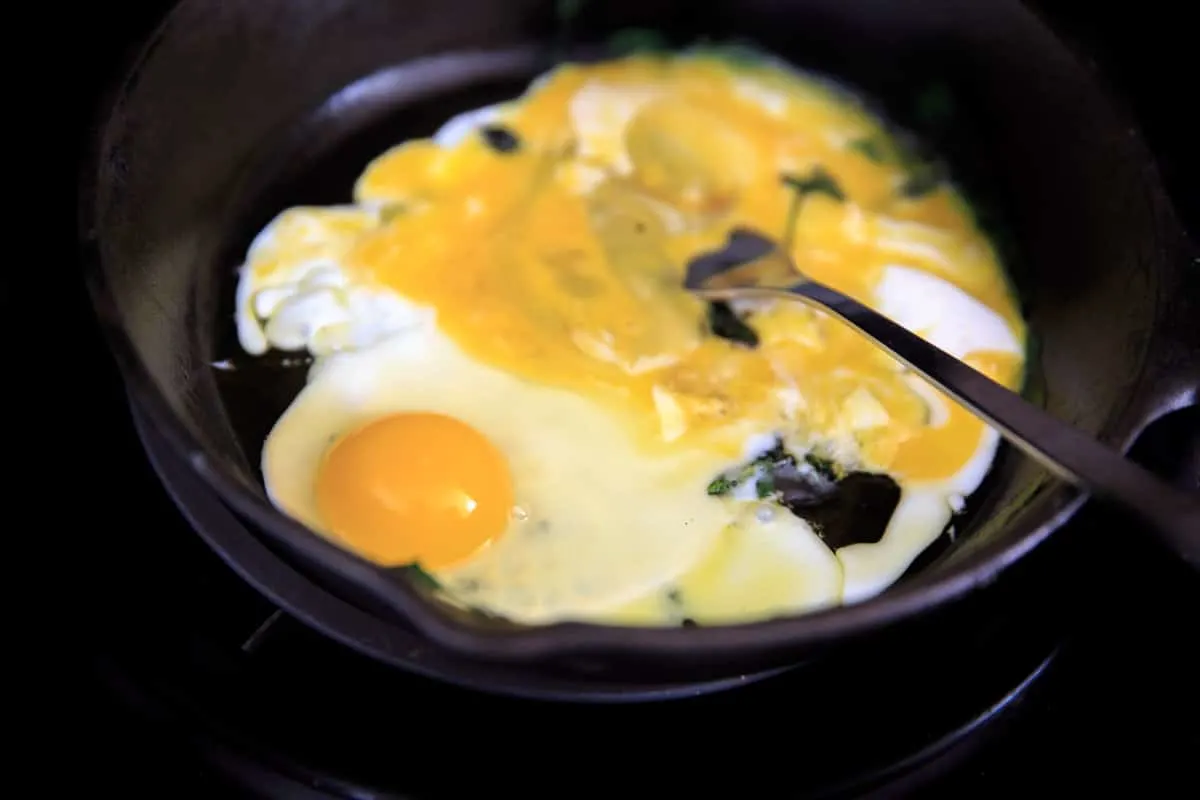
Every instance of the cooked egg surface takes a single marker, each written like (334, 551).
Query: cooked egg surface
(513, 390)
(565, 550)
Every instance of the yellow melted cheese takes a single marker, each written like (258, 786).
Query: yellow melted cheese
(562, 262)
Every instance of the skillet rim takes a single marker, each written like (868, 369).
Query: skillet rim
(900, 603)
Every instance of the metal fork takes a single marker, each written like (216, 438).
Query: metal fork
(751, 266)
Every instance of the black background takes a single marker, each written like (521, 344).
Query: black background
(1144, 48)
(1132, 723)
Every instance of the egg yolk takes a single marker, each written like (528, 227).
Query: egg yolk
(415, 488)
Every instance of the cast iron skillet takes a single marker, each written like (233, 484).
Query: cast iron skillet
(233, 106)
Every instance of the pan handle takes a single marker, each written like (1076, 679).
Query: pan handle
(1171, 373)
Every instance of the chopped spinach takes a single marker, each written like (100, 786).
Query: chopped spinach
(925, 169)
(764, 487)
(825, 467)
(762, 466)
(738, 54)
(922, 180)
(871, 149)
(500, 138)
(843, 508)
(721, 485)
(420, 577)
(818, 181)
(390, 212)
(766, 470)
(630, 41)
(778, 454)
(796, 487)
(723, 322)
(1033, 383)
(567, 10)
(933, 107)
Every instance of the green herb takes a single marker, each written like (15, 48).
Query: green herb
(725, 483)
(990, 219)
(825, 467)
(925, 171)
(770, 467)
(721, 485)
(816, 182)
(922, 180)
(776, 455)
(723, 322)
(934, 106)
(630, 41)
(765, 487)
(871, 149)
(420, 577)
(566, 10)
(1033, 381)
(737, 54)
(777, 477)
(500, 138)
(390, 212)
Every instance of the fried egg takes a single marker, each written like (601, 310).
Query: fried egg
(513, 391)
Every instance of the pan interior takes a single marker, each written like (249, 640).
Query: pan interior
(230, 117)
(317, 162)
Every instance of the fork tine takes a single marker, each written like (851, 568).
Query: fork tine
(747, 259)
(743, 247)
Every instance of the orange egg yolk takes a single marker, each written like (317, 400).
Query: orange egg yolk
(415, 488)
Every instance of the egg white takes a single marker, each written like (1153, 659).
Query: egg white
(293, 293)
(570, 552)
(946, 316)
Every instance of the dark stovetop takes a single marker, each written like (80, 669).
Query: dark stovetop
(176, 647)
